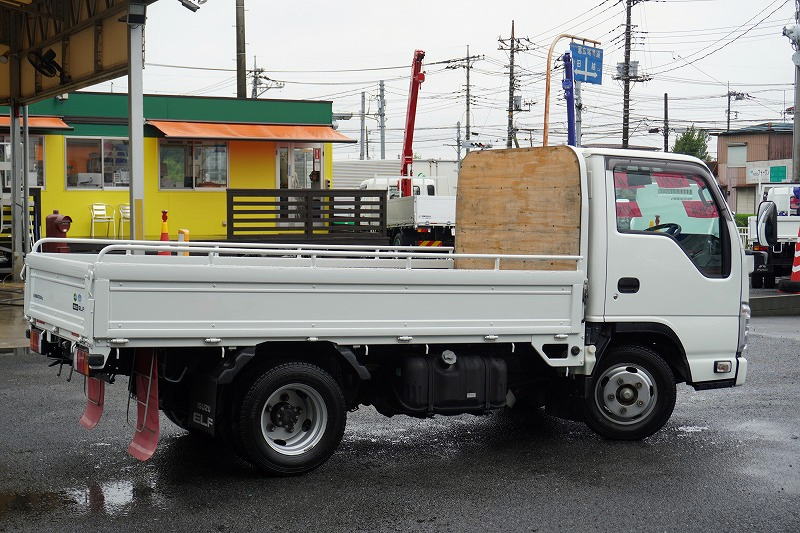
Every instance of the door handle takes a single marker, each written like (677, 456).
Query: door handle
(628, 285)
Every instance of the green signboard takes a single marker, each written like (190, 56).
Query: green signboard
(777, 174)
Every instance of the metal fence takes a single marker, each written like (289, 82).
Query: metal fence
(743, 233)
(307, 215)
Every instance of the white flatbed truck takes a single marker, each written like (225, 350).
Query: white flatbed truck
(775, 260)
(426, 218)
(269, 346)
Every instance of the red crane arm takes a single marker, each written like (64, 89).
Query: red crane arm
(417, 77)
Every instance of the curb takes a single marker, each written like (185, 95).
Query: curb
(777, 305)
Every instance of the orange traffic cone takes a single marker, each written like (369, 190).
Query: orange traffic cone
(164, 231)
(793, 283)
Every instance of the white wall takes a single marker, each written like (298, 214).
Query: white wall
(349, 173)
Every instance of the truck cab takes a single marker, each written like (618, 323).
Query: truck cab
(666, 260)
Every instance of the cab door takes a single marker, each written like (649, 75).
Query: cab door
(672, 258)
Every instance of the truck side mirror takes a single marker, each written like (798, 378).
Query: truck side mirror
(767, 224)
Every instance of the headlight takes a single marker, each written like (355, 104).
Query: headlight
(744, 327)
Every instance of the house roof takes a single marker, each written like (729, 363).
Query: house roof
(767, 127)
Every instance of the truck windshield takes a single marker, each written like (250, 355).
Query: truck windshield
(672, 203)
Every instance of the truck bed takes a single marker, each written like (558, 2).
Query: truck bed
(788, 227)
(240, 295)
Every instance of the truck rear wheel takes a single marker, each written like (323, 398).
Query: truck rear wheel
(632, 394)
(291, 419)
(403, 238)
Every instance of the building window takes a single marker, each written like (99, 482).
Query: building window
(737, 155)
(97, 163)
(35, 161)
(193, 165)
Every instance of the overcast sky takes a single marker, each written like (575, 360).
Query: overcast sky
(691, 48)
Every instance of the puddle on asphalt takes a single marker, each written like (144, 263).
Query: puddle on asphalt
(112, 498)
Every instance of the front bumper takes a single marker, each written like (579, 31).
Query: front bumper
(741, 372)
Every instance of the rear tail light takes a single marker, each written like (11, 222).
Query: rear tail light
(36, 340)
(82, 360)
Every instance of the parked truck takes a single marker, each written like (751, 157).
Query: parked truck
(425, 218)
(559, 294)
(775, 260)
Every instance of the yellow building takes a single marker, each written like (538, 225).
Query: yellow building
(196, 148)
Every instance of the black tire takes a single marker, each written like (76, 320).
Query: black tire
(787, 285)
(757, 281)
(403, 238)
(643, 387)
(322, 407)
(769, 282)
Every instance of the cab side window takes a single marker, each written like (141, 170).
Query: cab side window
(673, 204)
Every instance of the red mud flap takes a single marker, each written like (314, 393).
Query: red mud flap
(95, 396)
(145, 377)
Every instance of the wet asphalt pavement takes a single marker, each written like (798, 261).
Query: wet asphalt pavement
(727, 460)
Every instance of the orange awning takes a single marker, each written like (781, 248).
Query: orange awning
(252, 132)
(47, 123)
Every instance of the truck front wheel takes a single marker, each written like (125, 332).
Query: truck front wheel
(292, 419)
(632, 394)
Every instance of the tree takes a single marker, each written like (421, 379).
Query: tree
(692, 142)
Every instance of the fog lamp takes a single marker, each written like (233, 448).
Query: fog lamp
(722, 367)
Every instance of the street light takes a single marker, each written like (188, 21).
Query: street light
(192, 5)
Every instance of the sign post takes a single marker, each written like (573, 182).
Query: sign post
(546, 128)
(587, 63)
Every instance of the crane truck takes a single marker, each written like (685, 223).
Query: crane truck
(419, 214)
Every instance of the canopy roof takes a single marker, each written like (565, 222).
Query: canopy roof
(261, 132)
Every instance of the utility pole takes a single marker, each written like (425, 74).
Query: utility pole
(363, 124)
(624, 73)
(468, 67)
(626, 91)
(458, 143)
(261, 82)
(514, 45)
(666, 122)
(467, 64)
(736, 95)
(382, 117)
(728, 113)
(241, 60)
(796, 131)
(793, 33)
(512, 48)
(256, 80)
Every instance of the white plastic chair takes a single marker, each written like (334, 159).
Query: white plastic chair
(103, 214)
(124, 211)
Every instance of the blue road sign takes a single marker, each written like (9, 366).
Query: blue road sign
(588, 63)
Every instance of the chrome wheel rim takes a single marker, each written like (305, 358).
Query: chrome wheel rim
(626, 393)
(293, 419)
